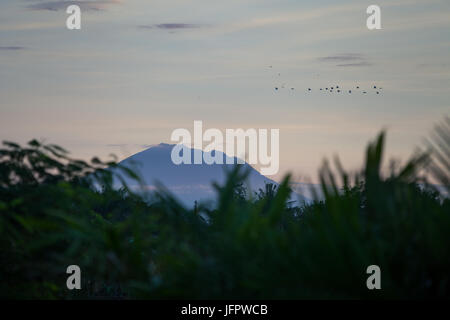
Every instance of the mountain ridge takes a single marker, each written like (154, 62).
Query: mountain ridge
(187, 182)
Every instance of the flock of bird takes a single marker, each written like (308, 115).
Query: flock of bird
(335, 89)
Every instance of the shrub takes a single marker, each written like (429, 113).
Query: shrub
(55, 212)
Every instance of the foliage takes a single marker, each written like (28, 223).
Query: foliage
(56, 212)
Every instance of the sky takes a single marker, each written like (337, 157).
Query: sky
(137, 70)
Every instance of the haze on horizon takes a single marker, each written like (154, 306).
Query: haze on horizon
(140, 69)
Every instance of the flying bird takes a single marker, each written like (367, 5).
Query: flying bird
(338, 89)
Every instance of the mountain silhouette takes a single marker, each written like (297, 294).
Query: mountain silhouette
(188, 182)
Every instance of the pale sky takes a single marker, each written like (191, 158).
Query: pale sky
(139, 69)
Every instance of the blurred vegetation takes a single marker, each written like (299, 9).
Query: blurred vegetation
(56, 212)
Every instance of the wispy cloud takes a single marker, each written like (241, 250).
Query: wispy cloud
(11, 48)
(125, 145)
(343, 57)
(86, 5)
(347, 60)
(171, 26)
(117, 145)
(358, 64)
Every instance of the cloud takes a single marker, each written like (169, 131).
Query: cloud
(117, 145)
(171, 26)
(85, 5)
(11, 48)
(358, 64)
(347, 60)
(343, 57)
(125, 145)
